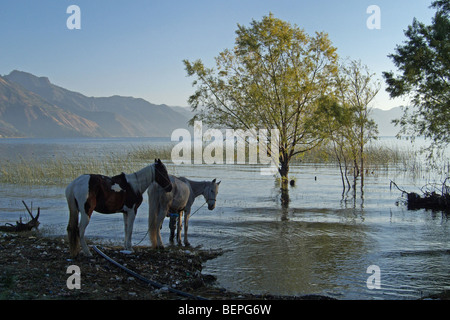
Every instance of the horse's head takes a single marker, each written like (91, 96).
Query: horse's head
(210, 194)
(161, 176)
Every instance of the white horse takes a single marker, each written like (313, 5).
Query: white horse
(121, 193)
(177, 201)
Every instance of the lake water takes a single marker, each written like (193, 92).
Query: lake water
(322, 244)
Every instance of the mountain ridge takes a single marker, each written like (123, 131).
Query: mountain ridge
(114, 116)
(32, 106)
(20, 109)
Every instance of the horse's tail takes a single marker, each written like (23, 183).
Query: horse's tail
(153, 209)
(73, 231)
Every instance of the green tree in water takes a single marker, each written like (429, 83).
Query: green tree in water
(273, 78)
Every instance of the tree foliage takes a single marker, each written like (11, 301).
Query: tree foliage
(423, 62)
(345, 117)
(273, 78)
(356, 89)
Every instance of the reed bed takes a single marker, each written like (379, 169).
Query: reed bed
(375, 156)
(56, 171)
(61, 170)
(150, 153)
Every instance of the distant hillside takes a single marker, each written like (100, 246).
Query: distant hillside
(32, 106)
(383, 118)
(23, 113)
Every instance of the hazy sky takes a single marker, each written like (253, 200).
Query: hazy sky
(136, 47)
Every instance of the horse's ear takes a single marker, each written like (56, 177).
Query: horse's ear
(155, 160)
(219, 182)
(214, 180)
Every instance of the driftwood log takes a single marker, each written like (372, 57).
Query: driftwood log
(20, 226)
(438, 200)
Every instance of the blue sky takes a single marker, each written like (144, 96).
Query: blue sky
(136, 47)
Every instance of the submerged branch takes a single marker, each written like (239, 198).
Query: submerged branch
(429, 200)
(395, 185)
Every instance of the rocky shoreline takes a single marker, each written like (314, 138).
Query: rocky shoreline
(36, 267)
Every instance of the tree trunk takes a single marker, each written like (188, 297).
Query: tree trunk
(284, 172)
(362, 159)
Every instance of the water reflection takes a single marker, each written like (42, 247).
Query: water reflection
(295, 256)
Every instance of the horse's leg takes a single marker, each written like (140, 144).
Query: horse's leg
(180, 221)
(128, 219)
(153, 226)
(172, 223)
(177, 224)
(186, 218)
(160, 219)
(73, 230)
(154, 205)
(84, 221)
